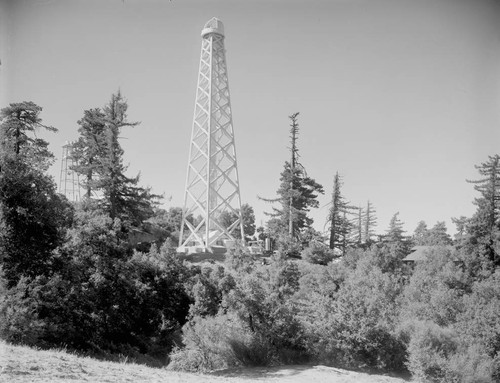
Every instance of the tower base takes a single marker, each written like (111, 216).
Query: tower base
(201, 250)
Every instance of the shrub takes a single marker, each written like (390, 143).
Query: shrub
(472, 364)
(318, 254)
(355, 326)
(479, 321)
(264, 301)
(255, 324)
(238, 260)
(213, 343)
(189, 359)
(439, 354)
(432, 293)
(19, 322)
(429, 349)
(319, 279)
(100, 303)
(207, 289)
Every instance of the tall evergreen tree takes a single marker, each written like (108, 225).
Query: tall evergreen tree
(32, 215)
(340, 225)
(395, 231)
(461, 226)
(435, 236)
(369, 223)
(122, 197)
(100, 160)
(438, 235)
(484, 226)
(297, 193)
(420, 234)
(357, 231)
(18, 141)
(91, 149)
(489, 188)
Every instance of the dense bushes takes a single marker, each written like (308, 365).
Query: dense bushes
(291, 312)
(367, 310)
(255, 321)
(450, 320)
(104, 300)
(318, 253)
(353, 325)
(33, 221)
(218, 342)
(439, 320)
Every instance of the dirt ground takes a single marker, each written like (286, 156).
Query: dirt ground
(24, 364)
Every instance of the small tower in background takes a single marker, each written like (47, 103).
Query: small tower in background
(212, 205)
(69, 182)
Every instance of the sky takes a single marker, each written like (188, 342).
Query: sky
(401, 97)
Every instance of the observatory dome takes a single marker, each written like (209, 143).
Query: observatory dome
(214, 25)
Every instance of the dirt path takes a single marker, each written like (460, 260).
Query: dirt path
(23, 364)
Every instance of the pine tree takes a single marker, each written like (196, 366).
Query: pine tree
(18, 140)
(461, 224)
(357, 232)
(370, 222)
(294, 131)
(420, 234)
(91, 149)
(438, 235)
(33, 216)
(121, 194)
(297, 193)
(340, 225)
(100, 158)
(484, 227)
(489, 188)
(395, 231)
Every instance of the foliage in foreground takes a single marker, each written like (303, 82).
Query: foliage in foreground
(102, 300)
(370, 311)
(291, 312)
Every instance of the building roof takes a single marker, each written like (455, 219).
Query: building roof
(419, 253)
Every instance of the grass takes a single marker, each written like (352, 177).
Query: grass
(24, 364)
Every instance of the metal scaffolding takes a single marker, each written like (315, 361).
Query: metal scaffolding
(212, 205)
(69, 181)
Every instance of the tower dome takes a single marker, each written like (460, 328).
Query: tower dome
(214, 25)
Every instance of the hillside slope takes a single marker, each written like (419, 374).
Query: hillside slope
(24, 364)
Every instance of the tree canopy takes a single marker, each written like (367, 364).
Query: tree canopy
(99, 157)
(33, 217)
(19, 123)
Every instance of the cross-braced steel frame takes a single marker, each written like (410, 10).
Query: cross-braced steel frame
(69, 181)
(212, 205)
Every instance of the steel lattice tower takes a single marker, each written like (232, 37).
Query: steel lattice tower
(69, 181)
(212, 192)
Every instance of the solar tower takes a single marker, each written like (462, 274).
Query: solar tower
(69, 181)
(212, 205)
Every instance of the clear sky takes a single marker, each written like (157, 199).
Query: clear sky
(401, 97)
